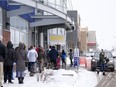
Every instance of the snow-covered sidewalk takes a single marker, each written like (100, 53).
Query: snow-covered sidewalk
(59, 78)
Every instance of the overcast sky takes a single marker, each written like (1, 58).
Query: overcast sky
(99, 15)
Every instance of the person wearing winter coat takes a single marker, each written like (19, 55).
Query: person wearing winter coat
(102, 59)
(63, 56)
(41, 59)
(8, 63)
(71, 56)
(21, 57)
(2, 57)
(101, 56)
(53, 55)
(32, 57)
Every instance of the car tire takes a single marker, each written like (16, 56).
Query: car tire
(97, 72)
(92, 69)
(112, 69)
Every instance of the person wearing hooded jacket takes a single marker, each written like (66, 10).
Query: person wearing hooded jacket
(21, 58)
(41, 59)
(8, 63)
(53, 55)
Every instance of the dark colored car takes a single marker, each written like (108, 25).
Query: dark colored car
(95, 59)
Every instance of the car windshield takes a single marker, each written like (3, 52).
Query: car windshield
(107, 55)
(88, 54)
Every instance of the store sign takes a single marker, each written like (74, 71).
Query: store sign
(56, 38)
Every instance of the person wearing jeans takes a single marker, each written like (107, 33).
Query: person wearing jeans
(21, 57)
(32, 57)
(8, 62)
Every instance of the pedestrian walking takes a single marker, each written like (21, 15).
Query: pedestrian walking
(53, 55)
(71, 57)
(41, 59)
(21, 57)
(102, 60)
(63, 56)
(8, 63)
(2, 57)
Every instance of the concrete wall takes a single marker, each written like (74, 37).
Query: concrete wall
(72, 37)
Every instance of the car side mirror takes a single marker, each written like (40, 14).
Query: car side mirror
(114, 56)
(107, 60)
(91, 55)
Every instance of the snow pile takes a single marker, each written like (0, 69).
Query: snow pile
(59, 78)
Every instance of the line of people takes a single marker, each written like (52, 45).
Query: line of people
(28, 58)
(9, 56)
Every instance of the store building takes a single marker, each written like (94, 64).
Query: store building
(92, 42)
(35, 22)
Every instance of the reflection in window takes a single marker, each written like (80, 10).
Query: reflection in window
(55, 31)
(0, 16)
(0, 29)
(16, 37)
(12, 35)
(61, 31)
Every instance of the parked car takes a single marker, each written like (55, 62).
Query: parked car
(95, 59)
(90, 54)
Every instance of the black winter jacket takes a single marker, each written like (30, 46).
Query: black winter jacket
(2, 52)
(10, 54)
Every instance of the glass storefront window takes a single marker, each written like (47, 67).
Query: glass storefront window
(0, 16)
(0, 30)
(23, 38)
(0, 21)
(12, 34)
(17, 36)
(61, 31)
(51, 3)
(58, 5)
(19, 31)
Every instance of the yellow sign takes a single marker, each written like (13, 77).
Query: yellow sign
(56, 38)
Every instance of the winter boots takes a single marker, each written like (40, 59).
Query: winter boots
(20, 79)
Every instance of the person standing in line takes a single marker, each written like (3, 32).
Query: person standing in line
(2, 57)
(63, 56)
(16, 49)
(8, 63)
(47, 57)
(71, 57)
(32, 58)
(21, 57)
(41, 59)
(47, 52)
(53, 55)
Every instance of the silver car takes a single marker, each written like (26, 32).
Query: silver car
(95, 59)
